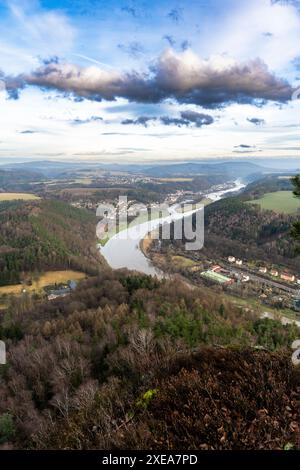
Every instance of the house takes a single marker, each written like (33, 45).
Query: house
(216, 268)
(72, 285)
(287, 277)
(239, 262)
(56, 293)
(231, 259)
(263, 270)
(274, 273)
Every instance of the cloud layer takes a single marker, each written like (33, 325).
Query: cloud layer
(188, 118)
(184, 76)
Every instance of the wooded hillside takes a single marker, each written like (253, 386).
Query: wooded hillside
(42, 235)
(120, 364)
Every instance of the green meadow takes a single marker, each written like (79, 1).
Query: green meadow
(280, 201)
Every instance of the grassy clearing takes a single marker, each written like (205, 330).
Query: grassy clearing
(17, 196)
(182, 262)
(46, 279)
(174, 180)
(280, 201)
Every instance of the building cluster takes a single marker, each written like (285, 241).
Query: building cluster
(284, 276)
(177, 195)
(222, 276)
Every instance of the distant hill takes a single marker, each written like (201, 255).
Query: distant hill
(55, 169)
(44, 235)
(234, 169)
(16, 179)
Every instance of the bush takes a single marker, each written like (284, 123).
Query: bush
(7, 428)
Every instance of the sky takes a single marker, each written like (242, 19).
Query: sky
(139, 81)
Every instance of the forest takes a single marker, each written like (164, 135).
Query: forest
(130, 362)
(44, 235)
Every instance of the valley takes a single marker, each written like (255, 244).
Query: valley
(117, 320)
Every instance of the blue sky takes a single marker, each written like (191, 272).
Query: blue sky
(138, 81)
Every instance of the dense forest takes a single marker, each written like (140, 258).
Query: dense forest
(41, 235)
(129, 362)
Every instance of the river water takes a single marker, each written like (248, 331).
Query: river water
(123, 249)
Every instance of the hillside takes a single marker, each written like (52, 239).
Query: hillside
(251, 232)
(123, 363)
(231, 169)
(233, 226)
(18, 179)
(44, 235)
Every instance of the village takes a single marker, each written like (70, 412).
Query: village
(269, 284)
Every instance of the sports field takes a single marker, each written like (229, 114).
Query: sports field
(216, 277)
(280, 201)
(17, 196)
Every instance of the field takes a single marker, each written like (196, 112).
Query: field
(17, 196)
(280, 201)
(182, 262)
(46, 279)
(216, 277)
(174, 180)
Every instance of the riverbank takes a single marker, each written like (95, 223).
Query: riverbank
(125, 250)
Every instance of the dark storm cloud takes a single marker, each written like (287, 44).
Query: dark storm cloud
(256, 121)
(185, 77)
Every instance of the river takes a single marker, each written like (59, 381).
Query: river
(123, 249)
